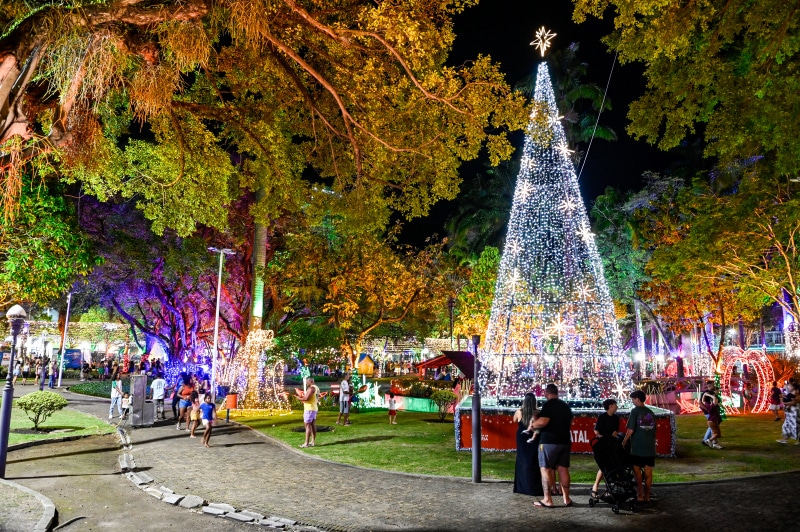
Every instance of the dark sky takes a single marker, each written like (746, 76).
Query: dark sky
(503, 29)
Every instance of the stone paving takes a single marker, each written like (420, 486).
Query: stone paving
(248, 470)
(252, 472)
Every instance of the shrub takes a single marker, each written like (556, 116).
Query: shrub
(38, 406)
(444, 399)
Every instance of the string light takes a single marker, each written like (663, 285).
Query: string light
(259, 383)
(552, 318)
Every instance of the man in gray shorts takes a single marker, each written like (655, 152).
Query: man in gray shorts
(554, 424)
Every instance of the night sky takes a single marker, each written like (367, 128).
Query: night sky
(503, 29)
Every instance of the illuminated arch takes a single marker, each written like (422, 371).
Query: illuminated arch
(758, 363)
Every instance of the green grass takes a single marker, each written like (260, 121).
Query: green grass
(420, 444)
(62, 423)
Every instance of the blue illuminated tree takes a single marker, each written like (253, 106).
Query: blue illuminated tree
(552, 318)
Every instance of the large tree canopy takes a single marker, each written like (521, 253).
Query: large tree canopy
(728, 65)
(180, 105)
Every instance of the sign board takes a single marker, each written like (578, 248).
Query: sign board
(499, 430)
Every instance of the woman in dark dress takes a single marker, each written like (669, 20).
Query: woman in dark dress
(527, 475)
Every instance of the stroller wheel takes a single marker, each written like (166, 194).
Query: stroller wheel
(592, 502)
(615, 509)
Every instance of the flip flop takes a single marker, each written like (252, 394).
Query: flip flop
(568, 504)
(540, 504)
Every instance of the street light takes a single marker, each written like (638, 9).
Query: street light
(222, 252)
(16, 318)
(64, 342)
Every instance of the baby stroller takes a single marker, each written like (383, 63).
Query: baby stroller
(614, 461)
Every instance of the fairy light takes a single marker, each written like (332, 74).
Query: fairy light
(552, 318)
(259, 384)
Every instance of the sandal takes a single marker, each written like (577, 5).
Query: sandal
(594, 494)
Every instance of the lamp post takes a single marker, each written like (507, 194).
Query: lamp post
(451, 303)
(64, 342)
(16, 318)
(222, 252)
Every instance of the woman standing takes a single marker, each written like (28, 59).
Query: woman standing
(527, 475)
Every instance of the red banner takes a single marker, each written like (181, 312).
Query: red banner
(498, 431)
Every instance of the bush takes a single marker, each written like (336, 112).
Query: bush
(99, 389)
(444, 399)
(38, 406)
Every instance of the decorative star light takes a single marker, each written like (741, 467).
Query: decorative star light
(514, 247)
(524, 191)
(568, 205)
(564, 149)
(585, 292)
(554, 119)
(559, 328)
(621, 391)
(542, 40)
(585, 232)
(528, 162)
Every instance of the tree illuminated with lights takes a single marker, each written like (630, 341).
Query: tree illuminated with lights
(552, 317)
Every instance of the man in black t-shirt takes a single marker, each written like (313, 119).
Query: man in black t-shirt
(554, 424)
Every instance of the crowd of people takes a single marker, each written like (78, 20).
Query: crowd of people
(190, 394)
(39, 370)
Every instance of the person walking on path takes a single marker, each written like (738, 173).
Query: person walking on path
(527, 475)
(607, 426)
(310, 407)
(208, 413)
(709, 404)
(53, 372)
(26, 369)
(344, 400)
(790, 407)
(116, 396)
(554, 422)
(185, 403)
(641, 431)
(158, 388)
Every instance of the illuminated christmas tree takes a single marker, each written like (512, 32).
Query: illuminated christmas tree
(552, 318)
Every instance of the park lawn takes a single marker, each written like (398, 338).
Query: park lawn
(419, 443)
(65, 422)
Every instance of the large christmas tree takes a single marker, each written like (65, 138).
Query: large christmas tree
(552, 317)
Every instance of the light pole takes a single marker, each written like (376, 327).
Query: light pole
(64, 342)
(451, 303)
(16, 318)
(222, 252)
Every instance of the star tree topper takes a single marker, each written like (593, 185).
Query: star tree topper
(542, 40)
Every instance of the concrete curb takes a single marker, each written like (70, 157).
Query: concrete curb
(146, 483)
(48, 518)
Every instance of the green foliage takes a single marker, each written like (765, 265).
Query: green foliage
(38, 406)
(358, 94)
(445, 400)
(728, 65)
(98, 388)
(474, 303)
(41, 250)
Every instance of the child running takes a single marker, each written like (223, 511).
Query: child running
(392, 409)
(208, 413)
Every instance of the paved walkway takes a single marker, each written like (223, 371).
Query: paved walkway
(250, 471)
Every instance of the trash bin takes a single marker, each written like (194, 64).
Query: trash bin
(232, 401)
